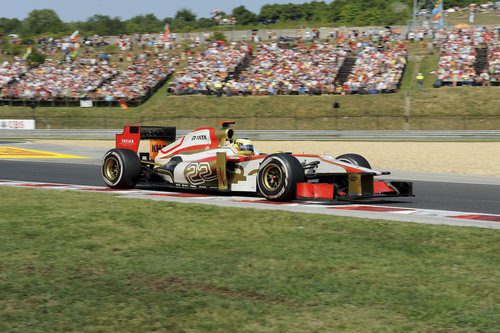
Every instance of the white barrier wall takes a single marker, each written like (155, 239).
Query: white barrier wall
(17, 124)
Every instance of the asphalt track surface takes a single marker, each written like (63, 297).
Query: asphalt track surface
(479, 198)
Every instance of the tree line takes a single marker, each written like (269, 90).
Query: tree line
(336, 13)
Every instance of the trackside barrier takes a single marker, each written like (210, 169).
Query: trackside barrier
(313, 135)
(329, 122)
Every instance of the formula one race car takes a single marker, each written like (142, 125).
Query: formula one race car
(214, 159)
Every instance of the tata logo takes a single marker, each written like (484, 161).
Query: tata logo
(199, 137)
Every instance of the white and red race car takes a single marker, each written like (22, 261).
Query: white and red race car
(207, 159)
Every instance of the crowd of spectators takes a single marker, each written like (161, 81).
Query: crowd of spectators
(67, 44)
(459, 55)
(140, 79)
(377, 70)
(57, 79)
(77, 68)
(494, 61)
(355, 38)
(209, 69)
(90, 79)
(299, 70)
(10, 71)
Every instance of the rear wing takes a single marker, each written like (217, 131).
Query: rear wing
(132, 136)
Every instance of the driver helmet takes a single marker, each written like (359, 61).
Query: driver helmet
(244, 147)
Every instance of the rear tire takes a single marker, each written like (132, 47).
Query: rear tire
(354, 159)
(278, 177)
(121, 168)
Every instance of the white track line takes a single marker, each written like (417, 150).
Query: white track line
(402, 214)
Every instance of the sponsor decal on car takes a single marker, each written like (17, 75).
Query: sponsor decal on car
(200, 173)
(127, 142)
(199, 137)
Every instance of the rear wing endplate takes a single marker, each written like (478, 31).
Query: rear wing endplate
(132, 135)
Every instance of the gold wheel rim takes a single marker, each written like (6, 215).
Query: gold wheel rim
(111, 168)
(272, 177)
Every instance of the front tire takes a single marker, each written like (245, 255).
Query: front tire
(354, 159)
(278, 177)
(121, 168)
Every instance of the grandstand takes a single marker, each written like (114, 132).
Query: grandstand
(209, 69)
(275, 70)
(62, 83)
(82, 69)
(54, 79)
(494, 62)
(345, 62)
(10, 71)
(377, 70)
(134, 85)
(469, 56)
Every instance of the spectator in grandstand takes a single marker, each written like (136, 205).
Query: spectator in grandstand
(485, 78)
(411, 36)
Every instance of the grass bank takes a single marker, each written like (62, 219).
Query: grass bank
(444, 108)
(91, 262)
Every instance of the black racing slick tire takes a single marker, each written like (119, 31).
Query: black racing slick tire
(354, 159)
(278, 177)
(121, 168)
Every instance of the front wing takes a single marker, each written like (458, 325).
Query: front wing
(359, 188)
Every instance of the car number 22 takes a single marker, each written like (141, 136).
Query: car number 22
(199, 173)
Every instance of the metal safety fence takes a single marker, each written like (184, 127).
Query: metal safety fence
(330, 122)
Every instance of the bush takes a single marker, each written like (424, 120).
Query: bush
(27, 41)
(110, 49)
(217, 35)
(14, 49)
(35, 58)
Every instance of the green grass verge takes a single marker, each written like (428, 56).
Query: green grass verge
(445, 108)
(96, 263)
(423, 61)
